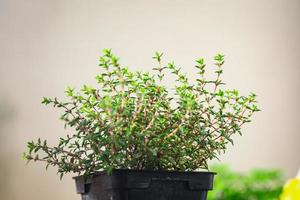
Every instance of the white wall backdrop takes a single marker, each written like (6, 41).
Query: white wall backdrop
(46, 45)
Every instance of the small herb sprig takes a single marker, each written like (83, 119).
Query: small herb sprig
(131, 121)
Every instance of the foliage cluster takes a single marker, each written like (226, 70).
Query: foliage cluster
(258, 184)
(131, 120)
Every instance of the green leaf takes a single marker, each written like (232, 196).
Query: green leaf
(69, 91)
(219, 57)
(46, 101)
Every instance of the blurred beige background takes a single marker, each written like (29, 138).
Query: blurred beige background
(46, 45)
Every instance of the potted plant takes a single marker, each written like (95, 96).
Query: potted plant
(133, 139)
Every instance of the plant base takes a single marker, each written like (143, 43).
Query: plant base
(145, 185)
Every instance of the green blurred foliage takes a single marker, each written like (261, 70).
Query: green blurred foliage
(258, 184)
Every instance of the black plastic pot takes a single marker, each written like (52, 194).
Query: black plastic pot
(145, 185)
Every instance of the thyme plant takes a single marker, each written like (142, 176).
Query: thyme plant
(132, 121)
